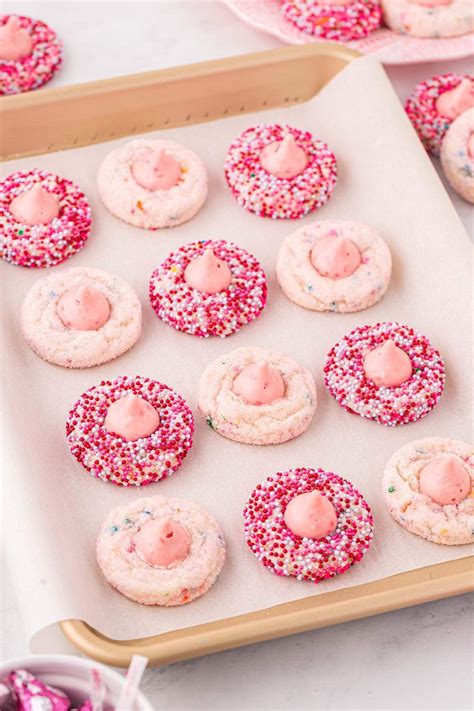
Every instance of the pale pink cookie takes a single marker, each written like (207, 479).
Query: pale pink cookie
(44, 219)
(130, 431)
(457, 155)
(161, 551)
(308, 523)
(153, 183)
(435, 103)
(429, 18)
(387, 372)
(280, 172)
(257, 396)
(334, 265)
(30, 54)
(193, 303)
(428, 488)
(81, 317)
(340, 20)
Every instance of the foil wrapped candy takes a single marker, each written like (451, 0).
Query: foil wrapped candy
(21, 691)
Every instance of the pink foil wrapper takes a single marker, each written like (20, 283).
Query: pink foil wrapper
(35, 695)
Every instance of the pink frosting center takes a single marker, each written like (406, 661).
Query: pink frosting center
(156, 170)
(162, 543)
(335, 2)
(284, 159)
(35, 206)
(83, 308)
(335, 257)
(470, 146)
(445, 481)
(259, 384)
(15, 41)
(208, 273)
(455, 101)
(311, 515)
(388, 365)
(132, 418)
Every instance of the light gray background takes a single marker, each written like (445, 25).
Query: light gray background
(418, 658)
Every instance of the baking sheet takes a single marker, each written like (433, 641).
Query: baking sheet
(53, 509)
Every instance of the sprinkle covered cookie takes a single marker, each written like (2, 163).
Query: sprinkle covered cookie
(457, 155)
(307, 523)
(429, 18)
(30, 54)
(256, 396)
(339, 20)
(208, 288)
(153, 183)
(130, 431)
(280, 171)
(387, 372)
(428, 488)
(81, 317)
(161, 551)
(44, 219)
(334, 265)
(434, 104)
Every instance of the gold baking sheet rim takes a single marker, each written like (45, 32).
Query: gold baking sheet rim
(56, 119)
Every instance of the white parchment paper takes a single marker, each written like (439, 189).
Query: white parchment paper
(53, 508)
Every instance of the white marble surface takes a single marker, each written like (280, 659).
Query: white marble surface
(419, 658)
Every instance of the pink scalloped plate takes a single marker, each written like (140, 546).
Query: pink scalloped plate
(389, 47)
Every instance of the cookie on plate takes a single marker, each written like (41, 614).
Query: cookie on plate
(429, 18)
(153, 183)
(256, 396)
(208, 288)
(130, 431)
(434, 104)
(280, 171)
(30, 54)
(307, 523)
(457, 155)
(44, 219)
(387, 372)
(334, 265)
(339, 20)
(428, 488)
(161, 551)
(81, 317)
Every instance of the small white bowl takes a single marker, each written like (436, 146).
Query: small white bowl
(72, 675)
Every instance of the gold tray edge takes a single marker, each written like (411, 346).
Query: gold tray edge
(403, 590)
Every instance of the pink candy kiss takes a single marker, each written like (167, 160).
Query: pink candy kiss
(259, 384)
(132, 418)
(311, 515)
(162, 543)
